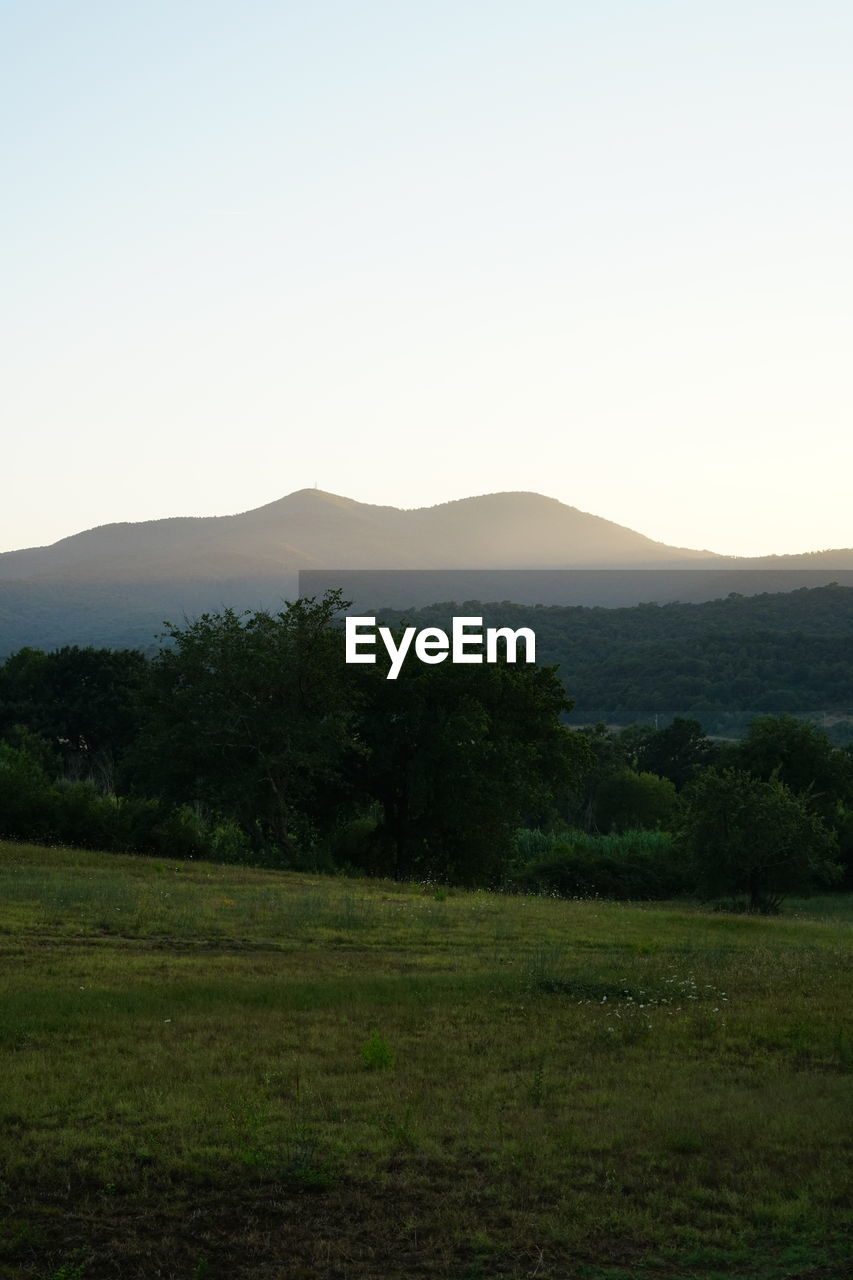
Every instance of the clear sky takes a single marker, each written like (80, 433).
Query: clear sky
(414, 252)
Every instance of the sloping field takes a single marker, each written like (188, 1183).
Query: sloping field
(216, 1072)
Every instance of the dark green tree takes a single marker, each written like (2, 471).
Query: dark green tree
(458, 757)
(27, 802)
(678, 751)
(746, 836)
(605, 754)
(86, 703)
(799, 754)
(250, 714)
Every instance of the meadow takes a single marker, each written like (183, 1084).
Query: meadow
(221, 1072)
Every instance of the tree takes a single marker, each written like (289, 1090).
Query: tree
(458, 757)
(754, 837)
(678, 751)
(250, 714)
(26, 799)
(800, 755)
(85, 702)
(606, 754)
(626, 800)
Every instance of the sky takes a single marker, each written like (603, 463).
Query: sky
(413, 252)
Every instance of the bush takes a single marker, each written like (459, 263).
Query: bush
(27, 800)
(76, 813)
(747, 836)
(629, 801)
(178, 833)
(227, 842)
(357, 846)
(83, 817)
(635, 865)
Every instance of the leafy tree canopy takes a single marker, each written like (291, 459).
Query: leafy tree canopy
(458, 757)
(800, 755)
(754, 837)
(251, 713)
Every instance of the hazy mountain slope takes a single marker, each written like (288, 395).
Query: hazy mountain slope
(310, 528)
(115, 584)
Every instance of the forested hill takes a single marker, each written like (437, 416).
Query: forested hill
(115, 585)
(722, 661)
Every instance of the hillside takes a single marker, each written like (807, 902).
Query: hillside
(722, 661)
(310, 528)
(114, 585)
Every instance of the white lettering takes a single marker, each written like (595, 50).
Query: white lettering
(460, 639)
(353, 639)
(431, 645)
(395, 653)
(511, 638)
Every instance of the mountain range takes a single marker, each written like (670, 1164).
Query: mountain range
(114, 584)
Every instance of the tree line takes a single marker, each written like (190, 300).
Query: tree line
(722, 661)
(247, 737)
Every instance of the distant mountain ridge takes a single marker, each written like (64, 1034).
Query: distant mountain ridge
(116, 583)
(314, 529)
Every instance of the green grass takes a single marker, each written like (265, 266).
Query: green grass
(230, 1073)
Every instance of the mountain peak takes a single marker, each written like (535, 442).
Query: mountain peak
(155, 569)
(314, 528)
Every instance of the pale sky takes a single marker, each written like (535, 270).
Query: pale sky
(414, 252)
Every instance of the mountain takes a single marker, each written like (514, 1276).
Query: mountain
(116, 583)
(313, 529)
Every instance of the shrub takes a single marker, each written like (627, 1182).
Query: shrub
(629, 801)
(27, 800)
(747, 836)
(227, 842)
(83, 817)
(179, 833)
(634, 865)
(356, 845)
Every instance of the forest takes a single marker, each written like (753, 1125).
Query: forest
(246, 738)
(722, 661)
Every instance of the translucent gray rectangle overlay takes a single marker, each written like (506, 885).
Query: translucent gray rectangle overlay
(369, 590)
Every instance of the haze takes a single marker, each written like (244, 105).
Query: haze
(415, 253)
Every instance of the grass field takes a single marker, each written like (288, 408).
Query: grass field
(216, 1072)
